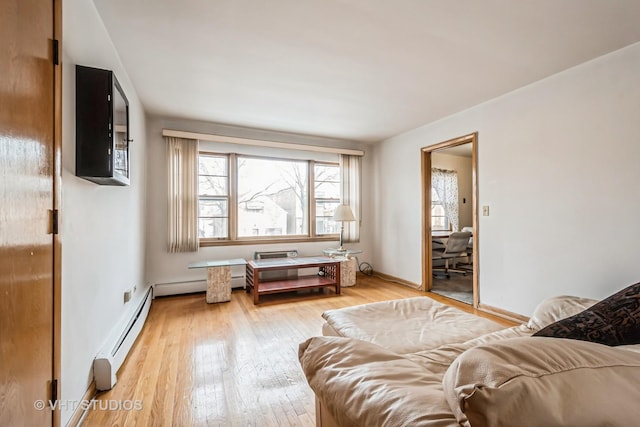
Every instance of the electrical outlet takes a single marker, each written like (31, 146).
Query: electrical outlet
(127, 295)
(135, 288)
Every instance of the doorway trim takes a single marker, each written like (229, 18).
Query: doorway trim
(427, 276)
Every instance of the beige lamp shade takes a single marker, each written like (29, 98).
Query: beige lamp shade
(343, 213)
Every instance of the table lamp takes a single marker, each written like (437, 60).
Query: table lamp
(343, 213)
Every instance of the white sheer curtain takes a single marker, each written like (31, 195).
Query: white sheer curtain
(350, 170)
(182, 165)
(445, 184)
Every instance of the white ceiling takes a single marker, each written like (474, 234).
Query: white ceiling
(363, 70)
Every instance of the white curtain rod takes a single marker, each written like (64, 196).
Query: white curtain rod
(259, 142)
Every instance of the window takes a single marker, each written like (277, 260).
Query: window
(439, 220)
(444, 196)
(213, 196)
(249, 198)
(327, 195)
(272, 197)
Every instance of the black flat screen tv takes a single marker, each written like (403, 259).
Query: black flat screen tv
(102, 127)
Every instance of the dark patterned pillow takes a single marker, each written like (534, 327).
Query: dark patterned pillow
(612, 321)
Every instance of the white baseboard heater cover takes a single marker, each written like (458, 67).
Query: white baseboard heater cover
(109, 360)
(177, 288)
(277, 274)
(238, 280)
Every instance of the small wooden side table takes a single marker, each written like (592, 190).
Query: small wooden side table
(348, 264)
(218, 278)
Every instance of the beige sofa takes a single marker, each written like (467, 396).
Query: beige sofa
(416, 362)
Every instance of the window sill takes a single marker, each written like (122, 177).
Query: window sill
(267, 241)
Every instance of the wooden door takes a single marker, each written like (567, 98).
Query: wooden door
(26, 198)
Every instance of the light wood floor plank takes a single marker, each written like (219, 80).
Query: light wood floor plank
(231, 364)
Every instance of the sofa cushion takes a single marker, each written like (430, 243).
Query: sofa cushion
(546, 382)
(363, 384)
(612, 321)
(556, 308)
(407, 325)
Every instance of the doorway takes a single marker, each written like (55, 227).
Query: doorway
(449, 195)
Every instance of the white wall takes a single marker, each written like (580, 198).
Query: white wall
(102, 227)
(163, 267)
(558, 166)
(462, 165)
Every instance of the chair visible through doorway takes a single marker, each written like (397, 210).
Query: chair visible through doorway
(455, 248)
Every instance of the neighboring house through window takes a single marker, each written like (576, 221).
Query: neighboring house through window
(272, 197)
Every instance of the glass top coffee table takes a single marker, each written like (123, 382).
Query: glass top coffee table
(346, 253)
(328, 275)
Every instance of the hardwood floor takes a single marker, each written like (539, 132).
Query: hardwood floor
(457, 287)
(229, 364)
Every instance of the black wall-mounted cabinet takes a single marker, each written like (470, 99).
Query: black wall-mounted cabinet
(102, 127)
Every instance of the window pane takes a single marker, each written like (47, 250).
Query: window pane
(213, 212)
(212, 186)
(439, 220)
(325, 208)
(272, 197)
(212, 207)
(327, 190)
(327, 173)
(212, 165)
(327, 186)
(324, 213)
(212, 227)
(325, 225)
(438, 223)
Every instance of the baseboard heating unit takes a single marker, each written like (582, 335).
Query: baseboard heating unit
(278, 274)
(109, 360)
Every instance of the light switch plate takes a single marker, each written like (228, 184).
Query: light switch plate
(485, 211)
